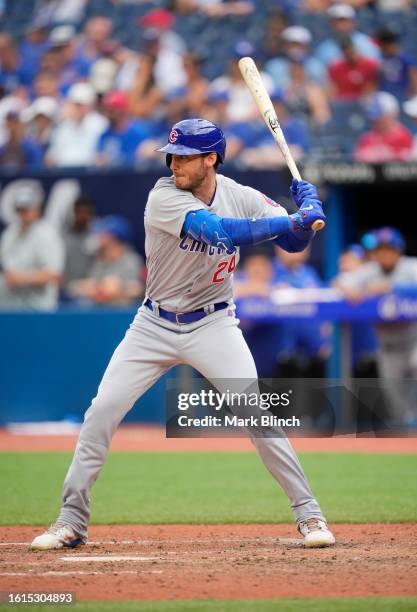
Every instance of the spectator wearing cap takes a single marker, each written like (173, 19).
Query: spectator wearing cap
(353, 76)
(351, 258)
(241, 106)
(398, 70)
(259, 148)
(31, 254)
(410, 109)
(40, 118)
(118, 144)
(297, 41)
(387, 140)
(19, 152)
(61, 58)
(342, 22)
(116, 275)
(74, 140)
(390, 270)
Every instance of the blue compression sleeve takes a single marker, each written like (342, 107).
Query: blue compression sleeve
(255, 231)
(240, 231)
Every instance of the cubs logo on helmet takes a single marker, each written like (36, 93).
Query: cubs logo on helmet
(195, 136)
(173, 136)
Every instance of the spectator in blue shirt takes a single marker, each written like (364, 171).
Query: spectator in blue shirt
(18, 152)
(60, 59)
(304, 345)
(342, 21)
(398, 71)
(255, 282)
(32, 48)
(117, 146)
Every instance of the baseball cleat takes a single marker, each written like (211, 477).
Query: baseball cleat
(316, 533)
(57, 536)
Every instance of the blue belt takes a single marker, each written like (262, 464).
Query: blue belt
(185, 317)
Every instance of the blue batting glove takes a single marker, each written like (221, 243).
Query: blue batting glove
(301, 221)
(301, 191)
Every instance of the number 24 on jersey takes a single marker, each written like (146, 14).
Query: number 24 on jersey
(224, 267)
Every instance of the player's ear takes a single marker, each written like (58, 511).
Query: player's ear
(210, 159)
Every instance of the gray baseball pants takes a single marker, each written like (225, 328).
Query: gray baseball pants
(397, 362)
(216, 348)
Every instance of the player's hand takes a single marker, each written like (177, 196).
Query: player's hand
(301, 221)
(302, 191)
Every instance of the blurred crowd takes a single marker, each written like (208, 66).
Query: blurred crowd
(91, 262)
(99, 82)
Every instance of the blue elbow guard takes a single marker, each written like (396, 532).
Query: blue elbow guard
(207, 227)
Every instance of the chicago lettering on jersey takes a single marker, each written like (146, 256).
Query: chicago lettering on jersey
(196, 246)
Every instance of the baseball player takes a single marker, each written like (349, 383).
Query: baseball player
(195, 221)
(389, 270)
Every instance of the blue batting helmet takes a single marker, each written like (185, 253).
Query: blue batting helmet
(194, 137)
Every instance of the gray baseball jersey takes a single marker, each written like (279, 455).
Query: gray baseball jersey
(185, 274)
(38, 248)
(404, 273)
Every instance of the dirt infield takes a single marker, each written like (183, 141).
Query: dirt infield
(152, 438)
(216, 561)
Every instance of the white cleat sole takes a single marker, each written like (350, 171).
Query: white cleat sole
(44, 543)
(320, 540)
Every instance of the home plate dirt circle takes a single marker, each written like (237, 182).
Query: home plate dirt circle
(214, 561)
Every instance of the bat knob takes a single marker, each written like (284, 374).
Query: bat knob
(318, 225)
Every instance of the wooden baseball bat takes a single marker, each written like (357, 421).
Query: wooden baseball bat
(258, 90)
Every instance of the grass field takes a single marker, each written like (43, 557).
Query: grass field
(216, 488)
(359, 604)
(210, 488)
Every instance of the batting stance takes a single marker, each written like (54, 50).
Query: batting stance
(195, 222)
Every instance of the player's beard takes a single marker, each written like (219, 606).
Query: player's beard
(190, 183)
